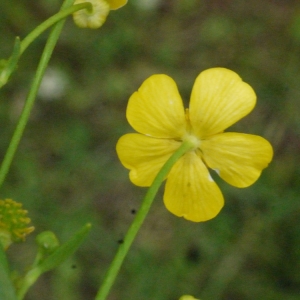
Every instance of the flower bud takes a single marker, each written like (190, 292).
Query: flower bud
(187, 297)
(94, 18)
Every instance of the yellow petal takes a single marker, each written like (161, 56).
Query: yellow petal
(187, 297)
(238, 158)
(144, 156)
(219, 99)
(115, 4)
(94, 19)
(156, 109)
(191, 192)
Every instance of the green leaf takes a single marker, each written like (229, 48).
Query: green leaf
(53, 260)
(64, 251)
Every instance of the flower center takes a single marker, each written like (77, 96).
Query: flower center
(188, 137)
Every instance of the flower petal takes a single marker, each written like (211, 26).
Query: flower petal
(116, 4)
(238, 158)
(191, 192)
(144, 156)
(156, 109)
(219, 99)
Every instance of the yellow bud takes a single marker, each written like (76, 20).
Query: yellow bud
(187, 297)
(91, 19)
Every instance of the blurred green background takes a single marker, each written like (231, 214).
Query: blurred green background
(66, 171)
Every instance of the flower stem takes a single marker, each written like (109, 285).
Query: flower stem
(62, 14)
(138, 221)
(46, 55)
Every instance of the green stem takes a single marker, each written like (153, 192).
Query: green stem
(138, 221)
(62, 14)
(7, 290)
(53, 37)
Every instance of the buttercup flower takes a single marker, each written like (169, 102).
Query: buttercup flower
(95, 18)
(219, 99)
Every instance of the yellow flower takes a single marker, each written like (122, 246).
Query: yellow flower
(95, 18)
(116, 4)
(219, 99)
(187, 297)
